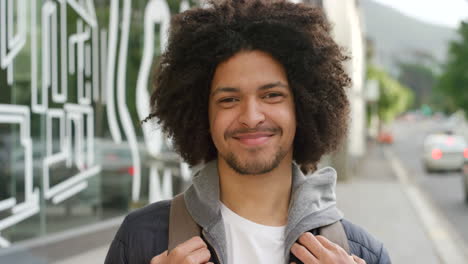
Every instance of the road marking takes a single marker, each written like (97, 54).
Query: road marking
(450, 248)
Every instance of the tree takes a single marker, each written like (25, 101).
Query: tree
(453, 83)
(420, 79)
(394, 98)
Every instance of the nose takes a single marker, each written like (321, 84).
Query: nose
(251, 115)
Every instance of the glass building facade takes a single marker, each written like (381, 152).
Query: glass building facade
(75, 81)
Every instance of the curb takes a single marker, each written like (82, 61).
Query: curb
(448, 245)
(64, 245)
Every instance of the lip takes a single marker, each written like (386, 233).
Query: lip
(253, 139)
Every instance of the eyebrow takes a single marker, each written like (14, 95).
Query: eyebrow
(263, 87)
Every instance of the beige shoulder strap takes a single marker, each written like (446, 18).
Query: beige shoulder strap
(182, 227)
(336, 234)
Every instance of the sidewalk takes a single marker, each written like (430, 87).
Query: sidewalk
(95, 256)
(375, 200)
(382, 200)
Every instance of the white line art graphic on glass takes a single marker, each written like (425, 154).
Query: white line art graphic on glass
(75, 119)
(79, 153)
(156, 12)
(97, 57)
(49, 55)
(11, 43)
(110, 74)
(103, 72)
(157, 190)
(126, 119)
(19, 115)
(184, 5)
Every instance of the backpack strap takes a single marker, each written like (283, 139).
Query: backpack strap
(336, 234)
(182, 227)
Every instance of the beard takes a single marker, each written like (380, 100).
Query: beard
(256, 165)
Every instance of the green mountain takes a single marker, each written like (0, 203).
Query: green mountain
(398, 37)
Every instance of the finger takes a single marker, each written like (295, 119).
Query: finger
(358, 260)
(159, 258)
(312, 244)
(327, 243)
(199, 256)
(303, 254)
(189, 246)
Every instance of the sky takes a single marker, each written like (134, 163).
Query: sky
(442, 12)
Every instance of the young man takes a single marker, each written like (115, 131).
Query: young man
(254, 90)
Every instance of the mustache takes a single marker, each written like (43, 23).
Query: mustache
(234, 132)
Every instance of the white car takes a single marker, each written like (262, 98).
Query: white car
(443, 152)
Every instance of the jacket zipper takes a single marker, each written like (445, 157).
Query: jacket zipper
(212, 246)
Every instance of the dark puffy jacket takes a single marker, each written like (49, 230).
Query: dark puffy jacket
(144, 234)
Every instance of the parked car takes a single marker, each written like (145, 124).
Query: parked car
(444, 152)
(117, 172)
(385, 137)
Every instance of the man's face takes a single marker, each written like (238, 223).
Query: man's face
(251, 112)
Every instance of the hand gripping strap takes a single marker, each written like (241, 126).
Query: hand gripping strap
(182, 227)
(336, 234)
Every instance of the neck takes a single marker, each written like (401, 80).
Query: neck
(261, 198)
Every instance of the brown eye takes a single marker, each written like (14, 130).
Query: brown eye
(274, 97)
(228, 100)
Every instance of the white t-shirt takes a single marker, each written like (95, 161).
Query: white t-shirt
(249, 242)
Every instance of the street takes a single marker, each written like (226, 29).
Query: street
(444, 190)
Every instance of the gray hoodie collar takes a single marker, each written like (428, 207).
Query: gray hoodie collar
(313, 204)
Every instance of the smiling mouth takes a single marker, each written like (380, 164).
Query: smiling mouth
(253, 139)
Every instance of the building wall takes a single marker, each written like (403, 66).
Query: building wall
(348, 30)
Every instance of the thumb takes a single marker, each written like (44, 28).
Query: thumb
(358, 260)
(159, 259)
